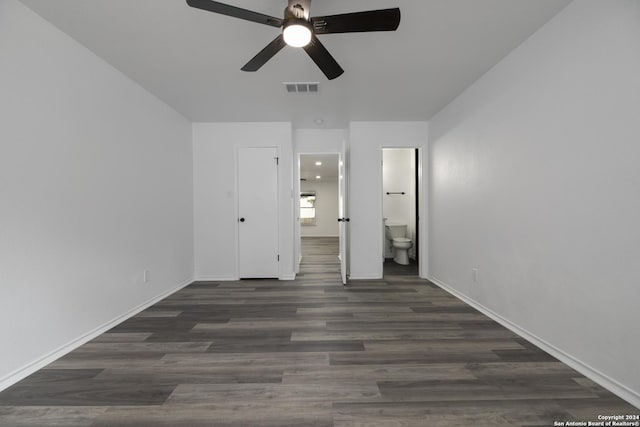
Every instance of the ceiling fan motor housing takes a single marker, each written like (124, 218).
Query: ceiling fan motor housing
(297, 28)
(298, 9)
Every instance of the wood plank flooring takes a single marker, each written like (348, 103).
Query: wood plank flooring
(393, 352)
(391, 268)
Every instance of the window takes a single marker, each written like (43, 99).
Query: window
(308, 208)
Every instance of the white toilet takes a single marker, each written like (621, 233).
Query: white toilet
(397, 235)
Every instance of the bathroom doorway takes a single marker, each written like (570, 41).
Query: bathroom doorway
(400, 211)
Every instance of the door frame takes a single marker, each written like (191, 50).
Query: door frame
(421, 208)
(237, 203)
(342, 157)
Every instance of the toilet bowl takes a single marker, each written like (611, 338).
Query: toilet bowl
(396, 234)
(401, 246)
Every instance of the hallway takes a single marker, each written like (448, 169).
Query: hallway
(307, 353)
(320, 259)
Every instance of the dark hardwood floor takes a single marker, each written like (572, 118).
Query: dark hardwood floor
(394, 352)
(391, 268)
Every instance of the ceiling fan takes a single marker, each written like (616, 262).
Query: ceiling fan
(300, 30)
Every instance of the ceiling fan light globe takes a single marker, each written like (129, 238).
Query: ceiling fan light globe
(297, 35)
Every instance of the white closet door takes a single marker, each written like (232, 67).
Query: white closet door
(258, 213)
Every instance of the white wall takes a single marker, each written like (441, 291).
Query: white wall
(215, 194)
(366, 141)
(399, 176)
(535, 182)
(326, 209)
(95, 187)
(320, 141)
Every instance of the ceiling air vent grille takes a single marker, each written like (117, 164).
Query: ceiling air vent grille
(302, 87)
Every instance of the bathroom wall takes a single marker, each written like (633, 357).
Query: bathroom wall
(366, 141)
(95, 188)
(398, 175)
(535, 182)
(326, 209)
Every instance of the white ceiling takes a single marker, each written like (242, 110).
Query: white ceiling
(191, 59)
(328, 170)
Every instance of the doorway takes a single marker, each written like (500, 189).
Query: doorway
(322, 208)
(400, 205)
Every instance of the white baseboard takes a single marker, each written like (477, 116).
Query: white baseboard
(288, 276)
(593, 374)
(217, 279)
(351, 277)
(43, 361)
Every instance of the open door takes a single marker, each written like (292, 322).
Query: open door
(343, 214)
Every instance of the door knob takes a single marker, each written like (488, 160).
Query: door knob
(241, 219)
(340, 219)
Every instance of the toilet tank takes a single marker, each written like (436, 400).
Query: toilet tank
(393, 230)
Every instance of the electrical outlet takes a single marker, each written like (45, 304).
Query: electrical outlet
(475, 274)
(145, 276)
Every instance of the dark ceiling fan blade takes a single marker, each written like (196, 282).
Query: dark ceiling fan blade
(323, 59)
(372, 20)
(265, 54)
(236, 12)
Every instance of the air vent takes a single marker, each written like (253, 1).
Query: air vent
(302, 87)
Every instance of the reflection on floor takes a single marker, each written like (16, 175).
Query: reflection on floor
(392, 268)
